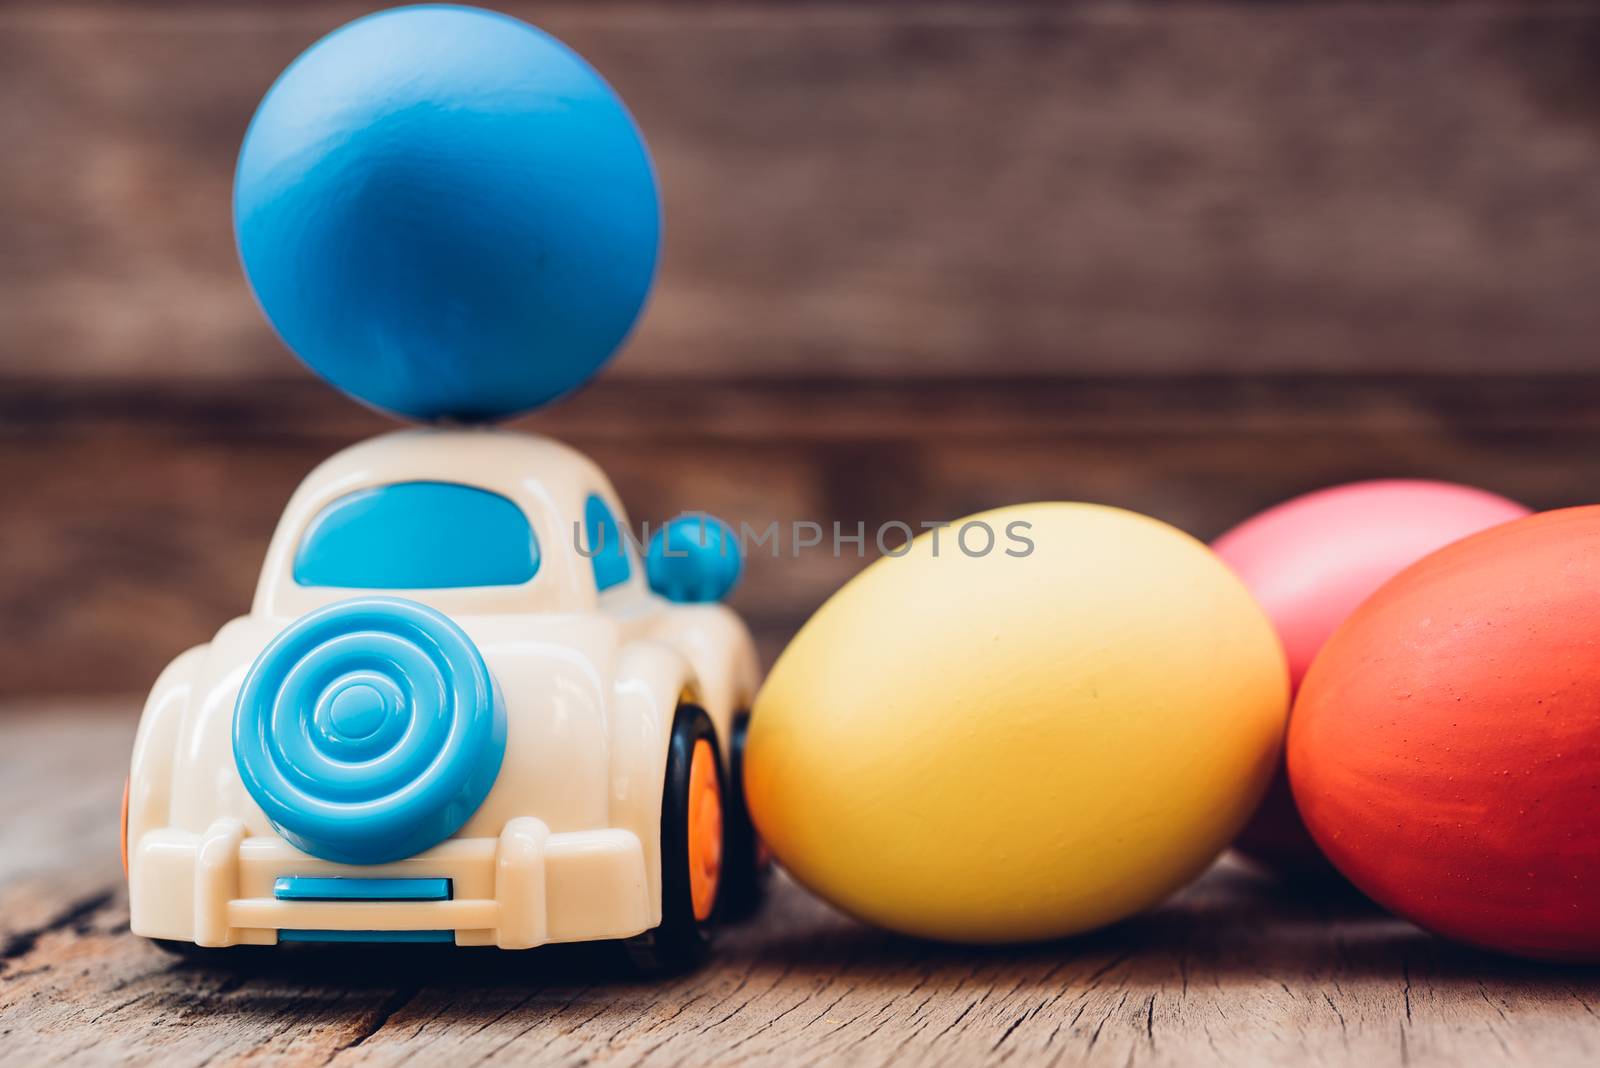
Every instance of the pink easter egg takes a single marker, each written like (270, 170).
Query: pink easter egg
(1311, 561)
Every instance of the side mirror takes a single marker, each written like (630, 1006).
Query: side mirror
(694, 559)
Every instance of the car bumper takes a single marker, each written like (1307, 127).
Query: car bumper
(526, 888)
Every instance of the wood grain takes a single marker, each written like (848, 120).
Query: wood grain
(897, 190)
(135, 517)
(1234, 971)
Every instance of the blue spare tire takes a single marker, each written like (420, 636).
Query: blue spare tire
(369, 730)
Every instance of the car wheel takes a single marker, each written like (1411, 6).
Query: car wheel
(188, 951)
(693, 825)
(746, 865)
(127, 785)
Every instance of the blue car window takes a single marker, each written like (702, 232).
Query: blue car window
(606, 548)
(418, 536)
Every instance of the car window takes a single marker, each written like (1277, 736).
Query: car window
(418, 535)
(607, 551)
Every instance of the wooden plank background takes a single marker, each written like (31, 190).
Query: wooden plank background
(921, 259)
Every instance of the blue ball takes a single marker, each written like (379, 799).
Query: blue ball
(447, 213)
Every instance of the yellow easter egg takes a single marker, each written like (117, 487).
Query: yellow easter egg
(1024, 742)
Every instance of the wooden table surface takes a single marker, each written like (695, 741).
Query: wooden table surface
(1236, 970)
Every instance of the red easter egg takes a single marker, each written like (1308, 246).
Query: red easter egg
(1445, 746)
(1310, 561)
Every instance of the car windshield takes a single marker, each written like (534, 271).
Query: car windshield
(418, 535)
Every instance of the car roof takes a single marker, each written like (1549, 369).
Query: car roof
(549, 481)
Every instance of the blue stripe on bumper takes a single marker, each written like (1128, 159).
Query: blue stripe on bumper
(340, 888)
(289, 935)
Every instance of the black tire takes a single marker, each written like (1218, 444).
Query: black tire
(745, 870)
(682, 941)
(188, 951)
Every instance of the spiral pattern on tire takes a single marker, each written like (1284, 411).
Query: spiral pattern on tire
(369, 730)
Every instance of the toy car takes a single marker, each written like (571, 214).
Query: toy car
(456, 712)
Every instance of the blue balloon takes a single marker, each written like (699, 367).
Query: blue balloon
(447, 213)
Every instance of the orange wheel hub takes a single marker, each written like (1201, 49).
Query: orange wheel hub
(124, 825)
(705, 830)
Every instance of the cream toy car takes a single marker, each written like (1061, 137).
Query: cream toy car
(456, 712)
